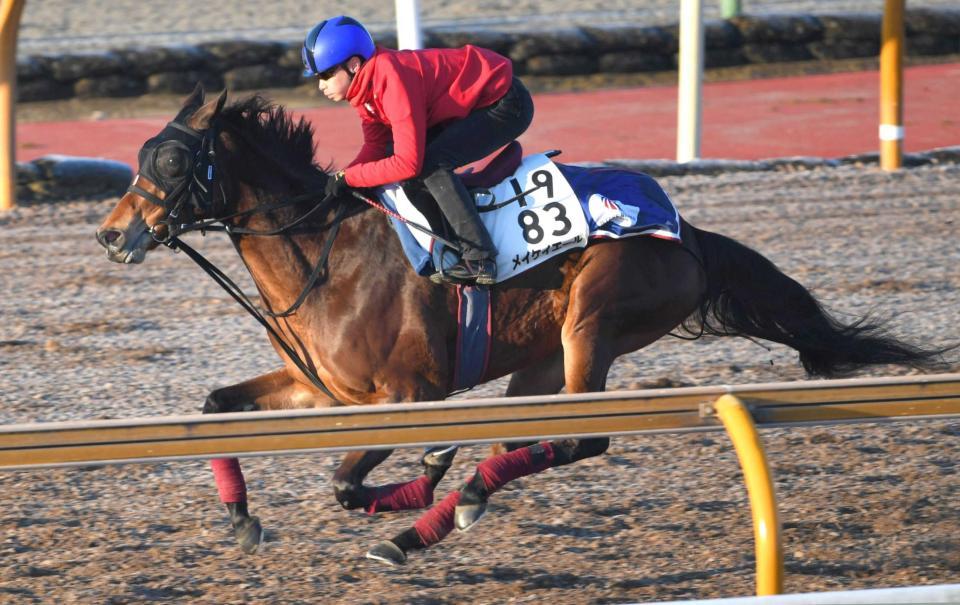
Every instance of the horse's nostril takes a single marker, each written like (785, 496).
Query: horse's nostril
(110, 237)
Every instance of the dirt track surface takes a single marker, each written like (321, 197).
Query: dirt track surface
(663, 517)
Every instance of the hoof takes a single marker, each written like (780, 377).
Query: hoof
(466, 516)
(387, 552)
(440, 456)
(472, 503)
(249, 534)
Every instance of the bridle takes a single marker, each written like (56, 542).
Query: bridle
(163, 160)
(181, 162)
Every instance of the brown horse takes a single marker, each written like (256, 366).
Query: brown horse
(372, 331)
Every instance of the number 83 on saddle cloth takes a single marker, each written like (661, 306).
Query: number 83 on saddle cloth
(532, 216)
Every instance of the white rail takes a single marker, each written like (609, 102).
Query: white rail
(944, 593)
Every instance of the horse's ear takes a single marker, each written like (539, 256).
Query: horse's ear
(204, 116)
(196, 97)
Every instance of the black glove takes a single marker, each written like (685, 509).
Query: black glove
(336, 185)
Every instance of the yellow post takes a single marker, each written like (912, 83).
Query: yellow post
(737, 420)
(10, 11)
(891, 86)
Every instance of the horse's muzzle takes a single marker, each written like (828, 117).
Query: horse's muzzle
(120, 248)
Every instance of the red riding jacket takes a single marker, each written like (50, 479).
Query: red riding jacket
(399, 94)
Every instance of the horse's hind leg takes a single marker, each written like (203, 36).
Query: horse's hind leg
(607, 316)
(542, 378)
(272, 391)
(612, 310)
(351, 493)
(586, 359)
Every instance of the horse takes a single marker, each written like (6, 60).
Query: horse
(361, 327)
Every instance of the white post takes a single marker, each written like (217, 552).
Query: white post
(409, 33)
(690, 64)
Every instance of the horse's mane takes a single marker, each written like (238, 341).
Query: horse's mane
(275, 133)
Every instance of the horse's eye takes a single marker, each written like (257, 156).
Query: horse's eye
(172, 162)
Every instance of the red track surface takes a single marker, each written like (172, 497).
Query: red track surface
(827, 116)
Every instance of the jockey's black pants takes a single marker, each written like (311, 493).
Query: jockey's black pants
(464, 141)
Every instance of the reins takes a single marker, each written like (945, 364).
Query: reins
(244, 301)
(192, 188)
(198, 188)
(395, 215)
(235, 292)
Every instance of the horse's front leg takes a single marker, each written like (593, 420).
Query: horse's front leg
(351, 493)
(273, 391)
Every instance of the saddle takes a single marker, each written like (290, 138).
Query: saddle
(500, 167)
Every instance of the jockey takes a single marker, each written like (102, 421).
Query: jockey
(423, 113)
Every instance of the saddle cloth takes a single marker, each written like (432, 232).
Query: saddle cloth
(545, 209)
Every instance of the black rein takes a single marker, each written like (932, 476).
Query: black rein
(204, 166)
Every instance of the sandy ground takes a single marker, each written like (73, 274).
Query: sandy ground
(663, 517)
(60, 26)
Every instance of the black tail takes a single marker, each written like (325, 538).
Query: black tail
(748, 296)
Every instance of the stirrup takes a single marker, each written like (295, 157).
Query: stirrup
(461, 273)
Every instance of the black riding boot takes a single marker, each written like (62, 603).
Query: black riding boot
(476, 264)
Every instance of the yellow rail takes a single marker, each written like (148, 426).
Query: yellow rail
(473, 421)
(763, 501)
(891, 86)
(739, 408)
(10, 11)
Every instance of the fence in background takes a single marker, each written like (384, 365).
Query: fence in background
(576, 50)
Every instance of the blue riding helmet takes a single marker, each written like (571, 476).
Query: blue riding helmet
(332, 42)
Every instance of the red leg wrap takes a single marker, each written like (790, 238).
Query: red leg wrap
(229, 477)
(401, 496)
(500, 470)
(436, 523)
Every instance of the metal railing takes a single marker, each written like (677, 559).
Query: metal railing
(738, 409)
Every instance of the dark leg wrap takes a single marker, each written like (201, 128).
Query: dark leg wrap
(434, 473)
(571, 450)
(500, 470)
(408, 540)
(230, 483)
(238, 512)
(351, 496)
